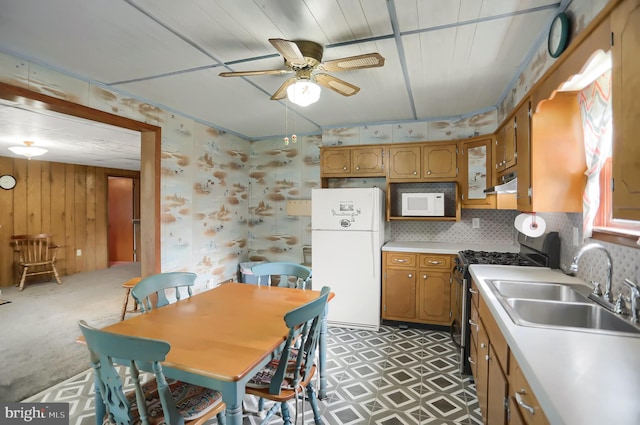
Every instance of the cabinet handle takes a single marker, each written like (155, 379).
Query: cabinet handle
(470, 361)
(428, 172)
(424, 276)
(435, 262)
(409, 275)
(483, 345)
(473, 291)
(415, 172)
(472, 323)
(357, 168)
(399, 261)
(487, 357)
(344, 168)
(523, 404)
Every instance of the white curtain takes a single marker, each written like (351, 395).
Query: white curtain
(595, 108)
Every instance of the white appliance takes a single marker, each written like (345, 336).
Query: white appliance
(348, 231)
(422, 204)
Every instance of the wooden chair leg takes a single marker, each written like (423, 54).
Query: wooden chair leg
(23, 278)
(125, 303)
(55, 273)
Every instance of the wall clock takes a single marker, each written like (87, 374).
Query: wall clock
(7, 182)
(558, 35)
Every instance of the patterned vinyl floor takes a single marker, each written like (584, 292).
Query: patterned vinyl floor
(391, 377)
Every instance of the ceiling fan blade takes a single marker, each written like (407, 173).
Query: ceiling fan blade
(251, 73)
(281, 93)
(289, 50)
(369, 60)
(336, 84)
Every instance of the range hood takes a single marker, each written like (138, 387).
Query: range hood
(509, 185)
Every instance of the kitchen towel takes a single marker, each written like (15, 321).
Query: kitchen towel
(530, 225)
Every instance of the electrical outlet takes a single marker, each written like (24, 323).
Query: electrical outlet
(475, 223)
(78, 253)
(576, 237)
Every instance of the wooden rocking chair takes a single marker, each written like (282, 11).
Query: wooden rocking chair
(36, 255)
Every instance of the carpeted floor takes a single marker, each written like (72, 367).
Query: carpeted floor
(40, 326)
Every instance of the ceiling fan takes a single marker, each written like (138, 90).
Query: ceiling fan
(304, 58)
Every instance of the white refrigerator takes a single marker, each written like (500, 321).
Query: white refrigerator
(348, 231)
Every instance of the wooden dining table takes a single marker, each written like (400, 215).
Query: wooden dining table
(220, 338)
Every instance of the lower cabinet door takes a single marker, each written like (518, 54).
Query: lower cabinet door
(399, 295)
(433, 297)
(496, 391)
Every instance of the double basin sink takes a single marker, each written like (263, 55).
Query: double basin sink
(554, 305)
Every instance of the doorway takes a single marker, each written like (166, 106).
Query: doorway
(123, 220)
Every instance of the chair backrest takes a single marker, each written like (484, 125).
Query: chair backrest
(298, 272)
(304, 325)
(104, 349)
(149, 293)
(34, 248)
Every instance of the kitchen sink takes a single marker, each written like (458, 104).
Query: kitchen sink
(554, 305)
(567, 315)
(537, 291)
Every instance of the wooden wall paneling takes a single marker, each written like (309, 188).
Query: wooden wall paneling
(90, 246)
(20, 197)
(80, 211)
(58, 214)
(151, 138)
(34, 197)
(101, 222)
(6, 226)
(45, 198)
(70, 218)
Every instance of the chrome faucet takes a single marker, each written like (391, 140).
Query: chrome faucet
(635, 297)
(574, 268)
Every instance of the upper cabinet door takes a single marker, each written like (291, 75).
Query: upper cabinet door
(519, 126)
(367, 161)
(404, 162)
(477, 165)
(439, 161)
(625, 21)
(335, 161)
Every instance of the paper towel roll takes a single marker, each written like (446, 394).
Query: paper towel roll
(530, 225)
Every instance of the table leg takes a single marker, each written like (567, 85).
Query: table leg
(232, 395)
(322, 356)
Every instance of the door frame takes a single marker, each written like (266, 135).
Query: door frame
(150, 154)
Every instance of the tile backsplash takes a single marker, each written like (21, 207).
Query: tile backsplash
(496, 226)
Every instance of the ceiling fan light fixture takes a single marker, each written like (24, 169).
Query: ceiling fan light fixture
(28, 150)
(303, 92)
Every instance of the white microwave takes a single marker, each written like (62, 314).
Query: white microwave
(423, 204)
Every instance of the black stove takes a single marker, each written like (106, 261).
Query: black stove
(543, 251)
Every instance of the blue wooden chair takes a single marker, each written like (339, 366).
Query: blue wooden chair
(156, 401)
(291, 372)
(149, 293)
(291, 275)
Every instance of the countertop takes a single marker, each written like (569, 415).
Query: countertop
(446, 247)
(578, 377)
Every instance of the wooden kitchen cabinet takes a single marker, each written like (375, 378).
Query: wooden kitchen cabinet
(399, 286)
(477, 173)
(423, 162)
(416, 288)
(625, 21)
(405, 162)
(551, 161)
(434, 289)
(439, 161)
(528, 413)
(352, 161)
(506, 151)
(496, 372)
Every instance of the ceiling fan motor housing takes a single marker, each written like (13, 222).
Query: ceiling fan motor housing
(312, 53)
